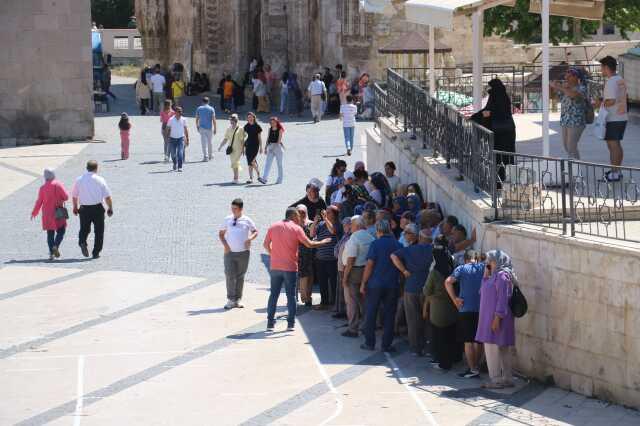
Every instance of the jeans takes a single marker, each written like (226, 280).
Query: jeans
(348, 137)
(54, 238)
(205, 139)
(284, 101)
(273, 150)
(388, 297)
(88, 215)
(235, 266)
(278, 279)
(327, 271)
(176, 149)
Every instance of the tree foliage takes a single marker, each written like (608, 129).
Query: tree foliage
(112, 13)
(518, 24)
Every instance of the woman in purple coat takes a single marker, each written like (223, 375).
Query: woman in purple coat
(496, 323)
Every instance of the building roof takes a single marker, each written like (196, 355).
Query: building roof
(412, 42)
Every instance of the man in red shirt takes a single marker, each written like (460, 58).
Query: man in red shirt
(281, 243)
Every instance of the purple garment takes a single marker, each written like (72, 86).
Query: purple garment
(494, 300)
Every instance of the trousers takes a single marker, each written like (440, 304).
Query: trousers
(235, 267)
(348, 137)
(415, 322)
(274, 150)
(499, 363)
(278, 280)
(570, 139)
(388, 298)
(176, 149)
(54, 238)
(205, 139)
(316, 107)
(327, 271)
(158, 101)
(353, 299)
(93, 214)
(445, 345)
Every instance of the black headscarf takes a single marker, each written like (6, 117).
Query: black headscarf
(442, 256)
(498, 103)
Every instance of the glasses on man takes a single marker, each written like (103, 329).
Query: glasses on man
(235, 221)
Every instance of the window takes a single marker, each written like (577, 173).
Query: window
(121, 42)
(137, 43)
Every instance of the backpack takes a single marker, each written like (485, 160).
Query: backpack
(518, 303)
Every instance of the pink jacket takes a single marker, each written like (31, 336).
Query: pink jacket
(51, 195)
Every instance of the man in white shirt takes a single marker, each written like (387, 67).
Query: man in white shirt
(178, 138)
(88, 193)
(348, 114)
(390, 174)
(236, 235)
(157, 89)
(316, 91)
(615, 102)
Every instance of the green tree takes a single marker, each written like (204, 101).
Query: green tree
(112, 13)
(518, 24)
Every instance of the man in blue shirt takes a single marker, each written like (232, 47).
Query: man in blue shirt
(469, 277)
(414, 263)
(380, 285)
(206, 124)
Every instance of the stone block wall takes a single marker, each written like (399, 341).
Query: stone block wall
(46, 71)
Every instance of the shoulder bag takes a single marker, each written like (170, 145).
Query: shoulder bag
(229, 150)
(61, 213)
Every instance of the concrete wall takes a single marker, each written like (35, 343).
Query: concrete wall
(583, 325)
(45, 71)
(130, 55)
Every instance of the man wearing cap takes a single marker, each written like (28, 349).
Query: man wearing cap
(314, 202)
(414, 262)
(316, 91)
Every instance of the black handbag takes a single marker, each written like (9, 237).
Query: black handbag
(61, 213)
(229, 150)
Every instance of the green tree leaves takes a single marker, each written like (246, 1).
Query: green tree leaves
(112, 13)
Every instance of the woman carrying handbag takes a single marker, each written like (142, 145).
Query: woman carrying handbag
(234, 137)
(51, 198)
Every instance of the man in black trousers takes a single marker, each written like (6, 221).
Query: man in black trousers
(88, 193)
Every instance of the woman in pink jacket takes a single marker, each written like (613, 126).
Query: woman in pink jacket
(51, 196)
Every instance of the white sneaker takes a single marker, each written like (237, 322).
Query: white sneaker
(239, 304)
(230, 304)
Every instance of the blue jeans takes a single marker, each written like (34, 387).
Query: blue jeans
(273, 150)
(54, 238)
(176, 150)
(389, 299)
(278, 278)
(348, 137)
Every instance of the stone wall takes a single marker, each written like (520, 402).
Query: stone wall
(45, 71)
(583, 325)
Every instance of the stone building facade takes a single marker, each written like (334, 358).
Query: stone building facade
(216, 36)
(45, 71)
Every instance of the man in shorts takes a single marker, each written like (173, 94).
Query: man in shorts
(615, 102)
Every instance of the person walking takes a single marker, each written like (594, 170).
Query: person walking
(207, 127)
(573, 110)
(165, 115)
(253, 145)
(106, 81)
(274, 149)
(51, 198)
(496, 327)
(236, 234)
(89, 192)
(348, 114)
(227, 94)
(177, 91)
(234, 136)
(125, 132)
(281, 243)
(326, 225)
(615, 103)
(317, 92)
(178, 134)
(157, 87)
(380, 286)
(354, 258)
(143, 94)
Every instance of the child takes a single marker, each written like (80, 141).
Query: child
(125, 129)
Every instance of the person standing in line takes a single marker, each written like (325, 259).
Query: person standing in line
(234, 136)
(51, 198)
(236, 235)
(496, 327)
(348, 114)
(380, 286)
(274, 149)
(354, 258)
(390, 174)
(125, 132)
(178, 134)
(177, 91)
(143, 93)
(253, 145)
(157, 87)
(615, 102)
(316, 91)
(342, 85)
(207, 127)
(414, 262)
(281, 243)
(88, 193)
(165, 115)
(573, 110)
(341, 308)
(305, 260)
(469, 277)
(312, 199)
(326, 225)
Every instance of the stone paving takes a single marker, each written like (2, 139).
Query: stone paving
(139, 336)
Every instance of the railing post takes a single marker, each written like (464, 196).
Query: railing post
(572, 210)
(563, 195)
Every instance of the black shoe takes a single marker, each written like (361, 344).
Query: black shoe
(85, 250)
(96, 256)
(291, 327)
(389, 349)
(271, 326)
(308, 304)
(367, 347)
(349, 333)
(339, 315)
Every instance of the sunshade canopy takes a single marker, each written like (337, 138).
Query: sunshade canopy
(412, 42)
(440, 13)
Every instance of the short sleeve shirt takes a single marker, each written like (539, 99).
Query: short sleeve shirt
(165, 116)
(316, 87)
(349, 112)
(157, 83)
(417, 259)
(385, 274)
(284, 237)
(177, 126)
(469, 276)
(237, 231)
(573, 110)
(616, 88)
(358, 247)
(205, 115)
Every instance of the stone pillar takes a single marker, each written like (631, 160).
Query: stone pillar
(45, 71)
(275, 34)
(153, 20)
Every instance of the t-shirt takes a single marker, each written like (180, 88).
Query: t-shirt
(385, 274)
(205, 114)
(252, 131)
(227, 89)
(237, 231)
(313, 207)
(177, 126)
(326, 252)
(157, 83)
(394, 181)
(469, 276)
(417, 259)
(259, 88)
(316, 87)
(177, 87)
(616, 88)
(165, 116)
(349, 112)
(285, 236)
(358, 247)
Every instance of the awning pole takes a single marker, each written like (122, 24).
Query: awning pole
(432, 61)
(477, 21)
(545, 77)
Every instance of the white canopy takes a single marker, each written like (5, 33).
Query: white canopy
(440, 13)
(377, 6)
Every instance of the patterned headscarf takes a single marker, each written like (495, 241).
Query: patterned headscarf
(503, 263)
